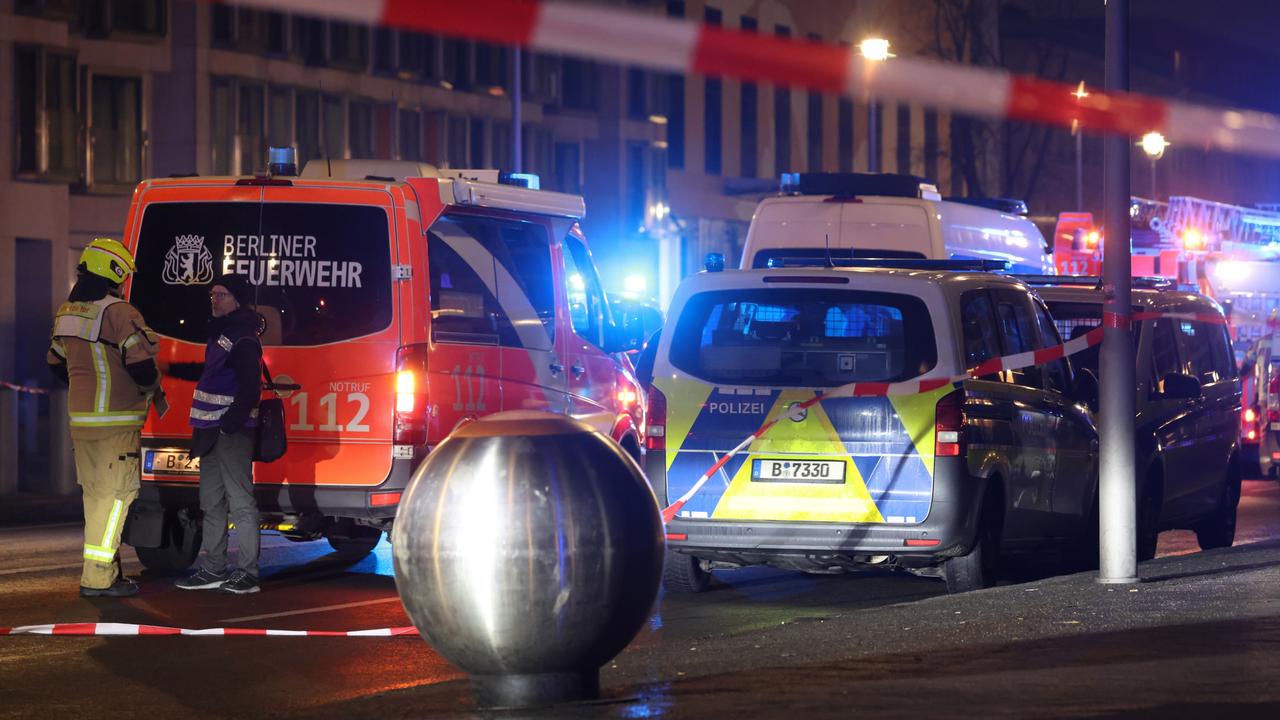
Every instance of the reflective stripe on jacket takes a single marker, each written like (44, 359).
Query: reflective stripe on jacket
(97, 340)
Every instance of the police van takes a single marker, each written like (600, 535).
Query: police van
(867, 215)
(397, 302)
(939, 482)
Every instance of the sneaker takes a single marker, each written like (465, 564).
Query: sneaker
(240, 583)
(202, 580)
(121, 588)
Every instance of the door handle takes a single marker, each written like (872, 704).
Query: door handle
(556, 368)
(577, 370)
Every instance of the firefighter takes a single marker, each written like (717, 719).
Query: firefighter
(224, 413)
(104, 351)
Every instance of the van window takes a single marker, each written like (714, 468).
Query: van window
(817, 256)
(323, 271)
(981, 340)
(1204, 349)
(1164, 350)
(587, 311)
(1223, 359)
(802, 337)
(491, 282)
(1019, 333)
(1058, 373)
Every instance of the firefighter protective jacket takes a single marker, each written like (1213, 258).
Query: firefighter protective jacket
(96, 340)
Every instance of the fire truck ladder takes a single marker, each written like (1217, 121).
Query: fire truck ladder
(1222, 223)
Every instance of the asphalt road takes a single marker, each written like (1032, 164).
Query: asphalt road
(308, 587)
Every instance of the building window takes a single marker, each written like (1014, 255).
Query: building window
(277, 34)
(222, 26)
(636, 198)
(308, 39)
(251, 30)
(334, 128)
(138, 17)
(115, 131)
(47, 137)
(280, 118)
(492, 64)
(456, 70)
(476, 136)
(222, 126)
(845, 134)
(904, 138)
(251, 129)
(349, 46)
(568, 167)
(713, 105)
(416, 55)
(409, 128)
(675, 121)
(749, 116)
(385, 52)
(581, 85)
(501, 150)
(781, 119)
(49, 9)
(384, 116)
(931, 145)
(815, 132)
(307, 122)
(637, 94)
(360, 122)
(456, 137)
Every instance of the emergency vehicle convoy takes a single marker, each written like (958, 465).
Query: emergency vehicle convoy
(398, 302)
(881, 215)
(939, 483)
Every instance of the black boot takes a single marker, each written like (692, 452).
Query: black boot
(121, 588)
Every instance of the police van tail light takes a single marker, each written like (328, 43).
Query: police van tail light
(655, 431)
(411, 396)
(948, 437)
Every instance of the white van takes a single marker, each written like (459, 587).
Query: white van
(862, 215)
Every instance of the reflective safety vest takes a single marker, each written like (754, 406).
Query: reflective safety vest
(96, 340)
(217, 386)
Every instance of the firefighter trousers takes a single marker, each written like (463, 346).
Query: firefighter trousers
(108, 474)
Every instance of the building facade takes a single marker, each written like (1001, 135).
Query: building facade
(100, 94)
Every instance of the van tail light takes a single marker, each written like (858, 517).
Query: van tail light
(948, 437)
(411, 396)
(1250, 416)
(655, 431)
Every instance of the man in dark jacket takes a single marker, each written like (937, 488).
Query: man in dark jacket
(224, 412)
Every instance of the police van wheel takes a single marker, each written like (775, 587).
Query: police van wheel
(979, 568)
(177, 553)
(684, 573)
(353, 541)
(1219, 529)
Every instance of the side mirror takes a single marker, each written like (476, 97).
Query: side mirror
(1180, 387)
(624, 338)
(1086, 388)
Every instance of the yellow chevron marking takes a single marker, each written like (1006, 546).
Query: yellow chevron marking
(815, 435)
(685, 400)
(917, 414)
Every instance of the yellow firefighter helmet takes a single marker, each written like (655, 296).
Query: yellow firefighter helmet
(108, 259)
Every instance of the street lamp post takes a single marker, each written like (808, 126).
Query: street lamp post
(877, 50)
(1075, 129)
(1153, 144)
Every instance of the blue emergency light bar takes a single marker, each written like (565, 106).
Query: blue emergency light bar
(892, 263)
(848, 185)
(526, 180)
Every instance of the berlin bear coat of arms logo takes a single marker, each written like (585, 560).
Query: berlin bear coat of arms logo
(188, 262)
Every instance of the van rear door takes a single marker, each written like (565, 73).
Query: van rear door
(321, 258)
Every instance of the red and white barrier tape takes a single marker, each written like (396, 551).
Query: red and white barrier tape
(126, 629)
(676, 45)
(22, 388)
(1016, 361)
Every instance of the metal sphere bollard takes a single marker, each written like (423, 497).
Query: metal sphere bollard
(528, 551)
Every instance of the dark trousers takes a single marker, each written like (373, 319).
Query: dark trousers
(226, 482)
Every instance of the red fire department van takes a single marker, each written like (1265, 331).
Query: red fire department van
(398, 302)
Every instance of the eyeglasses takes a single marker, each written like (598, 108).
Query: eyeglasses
(214, 295)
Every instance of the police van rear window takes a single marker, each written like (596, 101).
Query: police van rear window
(323, 271)
(803, 337)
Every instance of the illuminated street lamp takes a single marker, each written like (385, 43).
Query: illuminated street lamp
(1153, 144)
(877, 50)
